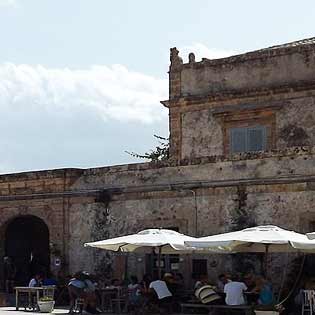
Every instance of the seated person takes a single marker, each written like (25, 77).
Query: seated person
(145, 284)
(179, 279)
(36, 281)
(144, 290)
(115, 284)
(170, 282)
(134, 292)
(161, 290)
(264, 289)
(206, 294)
(234, 291)
(222, 281)
(250, 281)
(49, 280)
(178, 286)
(81, 286)
(203, 280)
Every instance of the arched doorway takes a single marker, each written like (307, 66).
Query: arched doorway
(27, 243)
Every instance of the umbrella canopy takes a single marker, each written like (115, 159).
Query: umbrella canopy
(263, 239)
(167, 241)
(311, 236)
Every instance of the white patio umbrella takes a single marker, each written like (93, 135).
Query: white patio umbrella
(170, 242)
(165, 241)
(257, 239)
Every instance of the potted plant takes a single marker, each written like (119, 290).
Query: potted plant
(46, 304)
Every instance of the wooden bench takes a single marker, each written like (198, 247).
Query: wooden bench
(247, 310)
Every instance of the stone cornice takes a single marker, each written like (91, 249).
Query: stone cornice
(175, 186)
(37, 175)
(232, 95)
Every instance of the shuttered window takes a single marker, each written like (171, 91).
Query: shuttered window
(248, 139)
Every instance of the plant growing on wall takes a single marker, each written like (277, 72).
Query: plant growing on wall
(159, 153)
(242, 218)
(103, 220)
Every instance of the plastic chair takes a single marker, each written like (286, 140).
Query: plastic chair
(120, 303)
(77, 307)
(308, 302)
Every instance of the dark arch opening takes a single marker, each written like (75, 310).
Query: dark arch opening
(27, 243)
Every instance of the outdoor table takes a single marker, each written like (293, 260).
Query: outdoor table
(32, 291)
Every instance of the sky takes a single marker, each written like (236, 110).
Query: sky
(81, 80)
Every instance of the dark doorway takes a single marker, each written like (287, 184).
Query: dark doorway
(27, 243)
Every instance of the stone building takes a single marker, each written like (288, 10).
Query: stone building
(242, 152)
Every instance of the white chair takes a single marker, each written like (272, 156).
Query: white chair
(308, 302)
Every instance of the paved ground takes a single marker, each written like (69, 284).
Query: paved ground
(58, 311)
(12, 311)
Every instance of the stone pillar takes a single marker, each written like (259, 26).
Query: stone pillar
(175, 74)
(174, 95)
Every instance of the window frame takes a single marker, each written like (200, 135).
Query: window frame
(247, 143)
(248, 118)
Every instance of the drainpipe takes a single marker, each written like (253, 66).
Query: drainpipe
(195, 206)
(196, 211)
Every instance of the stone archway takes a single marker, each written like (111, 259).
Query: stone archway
(27, 243)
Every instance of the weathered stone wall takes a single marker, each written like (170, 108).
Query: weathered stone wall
(273, 86)
(202, 132)
(295, 123)
(38, 194)
(275, 190)
(249, 71)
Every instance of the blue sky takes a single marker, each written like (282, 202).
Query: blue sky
(81, 80)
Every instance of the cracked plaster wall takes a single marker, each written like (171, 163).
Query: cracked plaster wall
(202, 133)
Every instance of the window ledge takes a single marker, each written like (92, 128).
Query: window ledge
(231, 109)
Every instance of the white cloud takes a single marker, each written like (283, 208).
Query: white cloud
(54, 118)
(111, 92)
(202, 51)
(77, 118)
(9, 3)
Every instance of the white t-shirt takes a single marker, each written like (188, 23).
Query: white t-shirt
(234, 293)
(33, 283)
(160, 289)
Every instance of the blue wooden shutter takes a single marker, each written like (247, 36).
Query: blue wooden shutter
(256, 138)
(237, 140)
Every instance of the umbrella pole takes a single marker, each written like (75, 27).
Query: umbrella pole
(266, 261)
(126, 267)
(159, 262)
